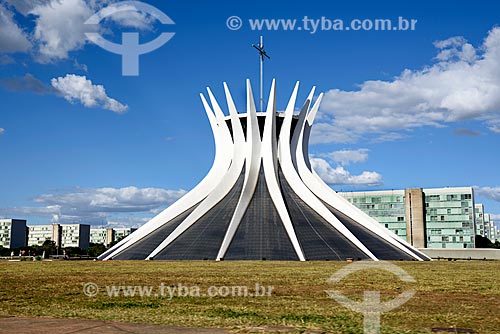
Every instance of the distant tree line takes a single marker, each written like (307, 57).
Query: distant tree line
(483, 242)
(49, 248)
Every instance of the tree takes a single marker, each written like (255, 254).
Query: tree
(483, 242)
(74, 251)
(4, 251)
(115, 242)
(96, 249)
(49, 247)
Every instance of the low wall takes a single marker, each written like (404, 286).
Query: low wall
(462, 253)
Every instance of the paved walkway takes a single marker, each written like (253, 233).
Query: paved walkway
(22, 325)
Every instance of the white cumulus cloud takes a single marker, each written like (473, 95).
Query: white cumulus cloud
(76, 88)
(488, 192)
(127, 15)
(495, 128)
(464, 84)
(345, 157)
(112, 199)
(99, 205)
(340, 176)
(12, 37)
(60, 28)
(60, 24)
(2, 130)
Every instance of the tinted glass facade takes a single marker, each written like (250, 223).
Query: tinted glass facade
(450, 218)
(387, 207)
(449, 214)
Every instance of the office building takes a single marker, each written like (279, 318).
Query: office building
(107, 236)
(38, 234)
(98, 236)
(12, 233)
(479, 212)
(75, 235)
(64, 235)
(387, 207)
(450, 217)
(494, 233)
(122, 232)
(433, 218)
(487, 225)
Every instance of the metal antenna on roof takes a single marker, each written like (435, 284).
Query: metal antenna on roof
(262, 54)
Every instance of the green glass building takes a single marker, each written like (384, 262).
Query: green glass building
(479, 213)
(387, 207)
(427, 218)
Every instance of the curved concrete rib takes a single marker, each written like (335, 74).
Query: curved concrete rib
(323, 191)
(296, 183)
(252, 167)
(270, 164)
(297, 135)
(223, 188)
(222, 161)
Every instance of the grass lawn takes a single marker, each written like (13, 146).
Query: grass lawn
(462, 294)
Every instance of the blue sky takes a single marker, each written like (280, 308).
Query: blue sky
(80, 142)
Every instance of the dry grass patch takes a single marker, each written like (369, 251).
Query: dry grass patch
(461, 294)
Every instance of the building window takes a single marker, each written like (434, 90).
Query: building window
(401, 219)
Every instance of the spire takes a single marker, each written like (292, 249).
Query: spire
(262, 54)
